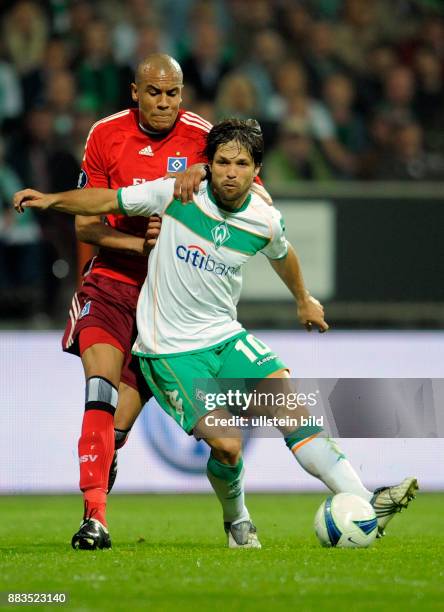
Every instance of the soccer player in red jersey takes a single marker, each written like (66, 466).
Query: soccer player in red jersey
(127, 148)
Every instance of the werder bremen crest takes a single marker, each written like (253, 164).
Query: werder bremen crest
(220, 234)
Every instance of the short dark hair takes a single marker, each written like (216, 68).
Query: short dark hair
(246, 132)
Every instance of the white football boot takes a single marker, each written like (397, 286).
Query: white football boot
(387, 501)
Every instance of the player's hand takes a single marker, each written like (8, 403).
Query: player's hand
(262, 193)
(187, 182)
(30, 198)
(152, 233)
(311, 313)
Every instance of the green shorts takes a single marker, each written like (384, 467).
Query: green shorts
(172, 379)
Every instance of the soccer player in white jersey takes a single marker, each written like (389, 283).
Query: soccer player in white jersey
(186, 314)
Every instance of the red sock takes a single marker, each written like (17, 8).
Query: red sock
(95, 505)
(96, 449)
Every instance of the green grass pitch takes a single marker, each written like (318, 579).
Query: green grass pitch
(169, 554)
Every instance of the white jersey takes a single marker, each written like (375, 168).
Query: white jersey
(188, 300)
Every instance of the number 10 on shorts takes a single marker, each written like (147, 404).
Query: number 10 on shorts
(252, 348)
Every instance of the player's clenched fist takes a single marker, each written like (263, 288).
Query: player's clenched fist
(311, 312)
(30, 198)
(187, 183)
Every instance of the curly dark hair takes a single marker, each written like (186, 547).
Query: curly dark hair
(246, 132)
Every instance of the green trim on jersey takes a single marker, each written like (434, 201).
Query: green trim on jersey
(226, 208)
(192, 351)
(201, 224)
(120, 202)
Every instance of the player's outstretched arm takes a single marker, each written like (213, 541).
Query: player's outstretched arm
(93, 231)
(75, 202)
(310, 311)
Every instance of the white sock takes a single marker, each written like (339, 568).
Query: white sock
(322, 458)
(228, 484)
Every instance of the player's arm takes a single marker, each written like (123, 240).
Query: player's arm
(285, 263)
(310, 311)
(93, 231)
(74, 202)
(144, 200)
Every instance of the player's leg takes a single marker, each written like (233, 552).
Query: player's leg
(128, 409)
(100, 329)
(102, 363)
(172, 383)
(129, 406)
(133, 395)
(322, 458)
(226, 474)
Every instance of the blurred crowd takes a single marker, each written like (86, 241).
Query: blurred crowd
(344, 90)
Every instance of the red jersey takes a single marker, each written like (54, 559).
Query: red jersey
(118, 153)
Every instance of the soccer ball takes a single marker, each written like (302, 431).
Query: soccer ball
(346, 521)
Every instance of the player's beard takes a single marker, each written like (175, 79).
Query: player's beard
(228, 196)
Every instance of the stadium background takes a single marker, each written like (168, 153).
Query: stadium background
(350, 96)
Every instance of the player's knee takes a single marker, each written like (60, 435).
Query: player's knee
(102, 360)
(227, 450)
(100, 395)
